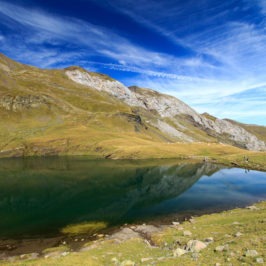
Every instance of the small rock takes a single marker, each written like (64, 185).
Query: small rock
(192, 220)
(64, 242)
(187, 233)
(238, 234)
(82, 239)
(195, 245)
(253, 208)
(29, 256)
(146, 259)
(219, 248)
(209, 240)
(236, 223)
(195, 256)
(217, 264)
(180, 228)
(251, 253)
(227, 235)
(65, 254)
(128, 263)
(76, 240)
(114, 260)
(100, 235)
(260, 260)
(175, 223)
(179, 252)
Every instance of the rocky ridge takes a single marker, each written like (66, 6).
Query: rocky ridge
(169, 107)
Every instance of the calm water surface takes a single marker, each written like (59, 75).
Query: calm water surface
(41, 196)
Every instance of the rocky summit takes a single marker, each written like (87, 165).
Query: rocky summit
(74, 111)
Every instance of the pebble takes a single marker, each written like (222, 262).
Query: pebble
(128, 263)
(260, 260)
(254, 208)
(175, 223)
(238, 234)
(209, 239)
(145, 259)
(222, 248)
(187, 233)
(179, 252)
(251, 253)
(114, 260)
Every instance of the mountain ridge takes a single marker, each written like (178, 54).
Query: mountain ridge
(74, 111)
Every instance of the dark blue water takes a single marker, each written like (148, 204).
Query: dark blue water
(41, 196)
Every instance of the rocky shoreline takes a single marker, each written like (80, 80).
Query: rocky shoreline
(186, 244)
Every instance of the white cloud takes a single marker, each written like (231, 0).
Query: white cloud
(228, 57)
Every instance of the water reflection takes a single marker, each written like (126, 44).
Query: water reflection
(40, 196)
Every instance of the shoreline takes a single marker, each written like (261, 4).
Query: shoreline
(66, 244)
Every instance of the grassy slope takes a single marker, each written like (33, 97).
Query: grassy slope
(81, 121)
(222, 227)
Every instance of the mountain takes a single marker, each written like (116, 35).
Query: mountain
(74, 111)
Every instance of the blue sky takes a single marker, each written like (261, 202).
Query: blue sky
(208, 53)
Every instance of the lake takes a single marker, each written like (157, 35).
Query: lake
(41, 196)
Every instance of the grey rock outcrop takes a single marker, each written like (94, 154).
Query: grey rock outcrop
(168, 107)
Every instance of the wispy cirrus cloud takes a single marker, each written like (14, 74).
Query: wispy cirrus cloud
(226, 47)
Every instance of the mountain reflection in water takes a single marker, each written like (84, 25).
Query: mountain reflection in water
(42, 195)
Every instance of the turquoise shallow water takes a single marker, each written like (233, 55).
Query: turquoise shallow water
(41, 196)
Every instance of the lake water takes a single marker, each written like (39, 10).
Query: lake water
(39, 197)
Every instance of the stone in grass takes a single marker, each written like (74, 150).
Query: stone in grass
(195, 245)
(187, 233)
(222, 248)
(175, 223)
(128, 263)
(29, 256)
(209, 240)
(260, 260)
(254, 208)
(238, 234)
(179, 252)
(251, 253)
(146, 259)
(114, 260)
